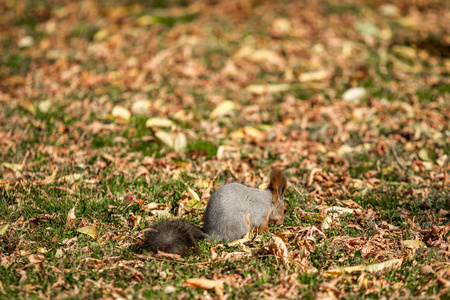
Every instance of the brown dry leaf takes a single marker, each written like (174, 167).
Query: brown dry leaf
(36, 260)
(206, 284)
(89, 230)
(279, 249)
(42, 250)
(71, 216)
(152, 206)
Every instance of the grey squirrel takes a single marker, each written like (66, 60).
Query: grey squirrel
(233, 210)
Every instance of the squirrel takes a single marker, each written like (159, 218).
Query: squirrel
(233, 210)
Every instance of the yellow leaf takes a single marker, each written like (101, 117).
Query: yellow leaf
(88, 230)
(165, 138)
(145, 20)
(224, 108)
(45, 105)
(253, 133)
(260, 89)
(354, 94)
(159, 122)
(415, 244)
(263, 186)
(42, 250)
(121, 112)
(101, 35)
(340, 271)
(326, 222)
(425, 154)
(71, 178)
(238, 134)
(206, 284)
(141, 107)
(3, 229)
(13, 167)
(339, 210)
(319, 75)
(194, 197)
(28, 107)
(180, 142)
(161, 213)
(392, 263)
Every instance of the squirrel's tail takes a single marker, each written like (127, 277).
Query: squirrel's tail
(173, 236)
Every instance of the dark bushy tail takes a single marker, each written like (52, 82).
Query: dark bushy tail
(173, 236)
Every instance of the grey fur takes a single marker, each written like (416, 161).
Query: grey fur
(230, 206)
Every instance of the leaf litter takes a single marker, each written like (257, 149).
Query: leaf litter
(102, 102)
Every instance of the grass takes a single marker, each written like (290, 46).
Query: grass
(125, 169)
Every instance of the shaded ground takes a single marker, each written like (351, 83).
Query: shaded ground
(115, 113)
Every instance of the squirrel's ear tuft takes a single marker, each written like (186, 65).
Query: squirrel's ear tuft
(277, 183)
(281, 190)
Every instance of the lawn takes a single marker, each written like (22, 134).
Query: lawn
(117, 114)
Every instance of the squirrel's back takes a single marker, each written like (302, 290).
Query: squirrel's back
(234, 209)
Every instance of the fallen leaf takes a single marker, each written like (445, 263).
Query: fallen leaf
(392, 263)
(159, 122)
(206, 284)
(42, 250)
(121, 112)
(71, 216)
(13, 167)
(88, 230)
(318, 75)
(279, 248)
(341, 271)
(180, 142)
(59, 253)
(194, 197)
(45, 105)
(3, 229)
(415, 244)
(224, 108)
(36, 259)
(354, 94)
(141, 107)
(260, 89)
(69, 179)
(165, 137)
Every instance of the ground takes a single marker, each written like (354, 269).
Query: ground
(115, 114)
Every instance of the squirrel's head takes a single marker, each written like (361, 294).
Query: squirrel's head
(277, 186)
